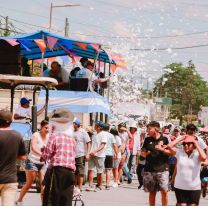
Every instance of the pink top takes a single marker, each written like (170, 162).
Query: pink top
(131, 143)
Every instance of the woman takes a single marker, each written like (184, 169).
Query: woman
(116, 161)
(32, 164)
(187, 180)
(125, 135)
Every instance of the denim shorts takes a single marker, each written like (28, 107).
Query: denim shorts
(33, 166)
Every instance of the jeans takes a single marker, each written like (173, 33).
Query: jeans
(132, 163)
(8, 194)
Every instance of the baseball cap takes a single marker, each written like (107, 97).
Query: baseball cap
(100, 124)
(77, 122)
(24, 100)
(5, 116)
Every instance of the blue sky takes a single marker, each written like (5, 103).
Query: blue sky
(126, 25)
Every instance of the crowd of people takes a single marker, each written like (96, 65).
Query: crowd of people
(86, 70)
(163, 159)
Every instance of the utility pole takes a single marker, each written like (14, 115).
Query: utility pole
(66, 27)
(6, 33)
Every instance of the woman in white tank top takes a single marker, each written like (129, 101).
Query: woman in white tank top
(33, 166)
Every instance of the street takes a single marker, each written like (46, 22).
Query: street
(126, 195)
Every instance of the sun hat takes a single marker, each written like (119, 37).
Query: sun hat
(62, 115)
(133, 124)
(24, 100)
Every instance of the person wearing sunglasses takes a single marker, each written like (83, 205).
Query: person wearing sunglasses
(187, 180)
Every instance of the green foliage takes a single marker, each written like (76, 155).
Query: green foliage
(186, 88)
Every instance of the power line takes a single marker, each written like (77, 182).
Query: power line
(11, 30)
(173, 48)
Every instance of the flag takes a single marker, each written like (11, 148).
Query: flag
(41, 44)
(12, 42)
(95, 46)
(51, 42)
(51, 59)
(81, 45)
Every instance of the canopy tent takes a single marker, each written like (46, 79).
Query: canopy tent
(32, 44)
(77, 102)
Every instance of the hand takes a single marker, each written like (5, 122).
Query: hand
(123, 129)
(196, 143)
(115, 157)
(159, 147)
(93, 154)
(87, 157)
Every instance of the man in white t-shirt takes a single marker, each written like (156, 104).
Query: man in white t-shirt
(97, 156)
(24, 111)
(82, 152)
(111, 154)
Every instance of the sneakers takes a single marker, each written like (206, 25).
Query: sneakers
(129, 181)
(139, 187)
(98, 188)
(115, 185)
(90, 188)
(18, 203)
(107, 187)
(77, 192)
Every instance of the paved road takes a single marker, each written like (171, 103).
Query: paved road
(126, 195)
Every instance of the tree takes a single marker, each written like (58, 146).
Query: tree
(186, 88)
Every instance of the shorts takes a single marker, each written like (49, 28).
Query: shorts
(80, 165)
(187, 196)
(29, 165)
(97, 162)
(108, 162)
(116, 163)
(156, 181)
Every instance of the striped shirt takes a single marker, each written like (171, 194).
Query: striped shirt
(60, 151)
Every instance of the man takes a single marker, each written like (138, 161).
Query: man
(60, 153)
(11, 148)
(24, 110)
(82, 152)
(58, 73)
(97, 157)
(92, 78)
(134, 147)
(111, 154)
(156, 175)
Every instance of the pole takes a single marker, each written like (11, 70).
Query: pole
(66, 27)
(50, 20)
(6, 33)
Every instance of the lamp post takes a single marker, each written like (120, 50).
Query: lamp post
(58, 6)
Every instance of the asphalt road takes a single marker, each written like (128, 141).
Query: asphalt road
(125, 195)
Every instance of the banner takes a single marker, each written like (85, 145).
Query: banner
(51, 42)
(95, 46)
(41, 44)
(82, 45)
(12, 42)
